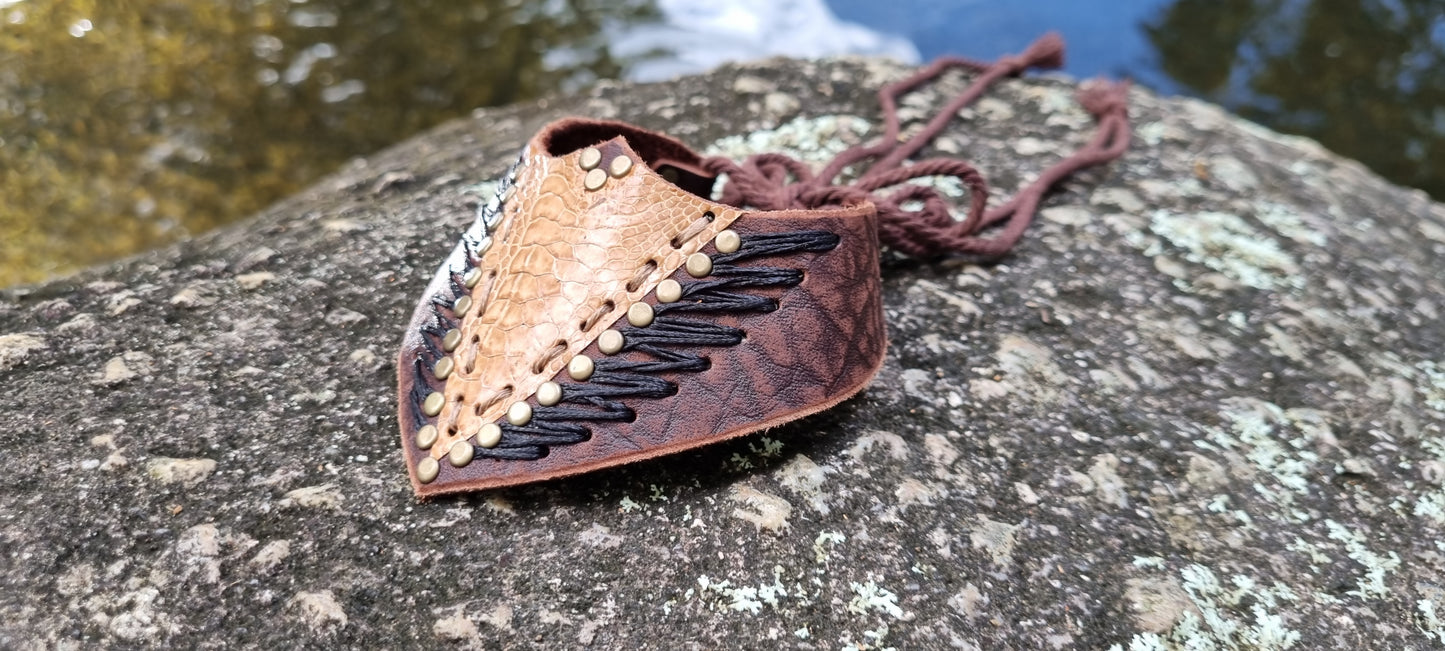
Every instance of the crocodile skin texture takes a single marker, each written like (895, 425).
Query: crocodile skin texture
(562, 255)
(823, 344)
(565, 263)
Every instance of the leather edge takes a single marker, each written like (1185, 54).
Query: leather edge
(859, 211)
(643, 455)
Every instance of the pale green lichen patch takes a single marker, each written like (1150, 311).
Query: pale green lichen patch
(1219, 625)
(1223, 242)
(1431, 505)
(763, 449)
(812, 140)
(1377, 566)
(766, 448)
(1281, 456)
(1281, 447)
(1430, 621)
(745, 598)
(1285, 221)
(816, 141)
(823, 544)
(871, 597)
(1144, 562)
(1275, 441)
(1433, 388)
(867, 603)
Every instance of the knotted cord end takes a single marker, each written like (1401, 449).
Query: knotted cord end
(1046, 53)
(776, 182)
(1101, 97)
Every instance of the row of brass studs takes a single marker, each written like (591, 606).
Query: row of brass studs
(581, 367)
(428, 468)
(596, 177)
(520, 413)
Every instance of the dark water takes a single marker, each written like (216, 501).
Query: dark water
(125, 124)
(1364, 77)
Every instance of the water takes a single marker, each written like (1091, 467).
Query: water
(701, 34)
(126, 124)
(1364, 77)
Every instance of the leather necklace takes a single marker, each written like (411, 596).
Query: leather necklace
(604, 309)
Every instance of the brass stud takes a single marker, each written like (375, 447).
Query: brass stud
(433, 404)
(461, 453)
(550, 393)
(485, 244)
(444, 368)
(594, 180)
(728, 241)
(426, 436)
(451, 340)
(581, 368)
(620, 166)
(699, 265)
(507, 194)
(473, 276)
(669, 291)
(610, 342)
(462, 305)
(520, 413)
(640, 315)
(591, 157)
(490, 435)
(427, 469)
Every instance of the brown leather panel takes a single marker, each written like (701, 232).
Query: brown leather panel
(559, 253)
(823, 344)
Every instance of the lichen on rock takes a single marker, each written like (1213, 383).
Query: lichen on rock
(1201, 406)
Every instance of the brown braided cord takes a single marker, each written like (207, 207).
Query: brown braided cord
(762, 181)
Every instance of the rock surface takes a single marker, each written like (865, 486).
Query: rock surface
(1202, 405)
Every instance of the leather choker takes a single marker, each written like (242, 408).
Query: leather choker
(603, 309)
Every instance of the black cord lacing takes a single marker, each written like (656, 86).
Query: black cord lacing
(664, 345)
